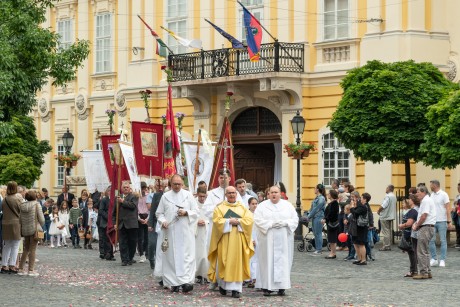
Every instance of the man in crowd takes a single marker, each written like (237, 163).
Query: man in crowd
(105, 246)
(240, 185)
(143, 215)
(231, 245)
(45, 193)
(425, 226)
(177, 215)
(276, 220)
(127, 224)
(65, 195)
(153, 200)
(201, 248)
(387, 213)
(443, 218)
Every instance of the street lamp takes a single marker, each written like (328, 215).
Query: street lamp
(298, 126)
(67, 139)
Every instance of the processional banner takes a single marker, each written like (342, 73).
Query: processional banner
(96, 178)
(110, 147)
(148, 148)
(201, 165)
(128, 156)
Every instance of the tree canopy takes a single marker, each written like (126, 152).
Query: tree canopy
(19, 168)
(442, 146)
(382, 112)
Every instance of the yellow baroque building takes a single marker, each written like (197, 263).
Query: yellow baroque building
(318, 41)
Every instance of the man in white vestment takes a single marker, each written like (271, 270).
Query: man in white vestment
(215, 197)
(177, 215)
(240, 185)
(201, 248)
(276, 220)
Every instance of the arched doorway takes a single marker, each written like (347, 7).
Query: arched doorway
(257, 144)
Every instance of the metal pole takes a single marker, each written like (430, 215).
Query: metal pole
(298, 232)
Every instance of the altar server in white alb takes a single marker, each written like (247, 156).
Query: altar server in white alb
(276, 220)
(177, 215)
(201, 247)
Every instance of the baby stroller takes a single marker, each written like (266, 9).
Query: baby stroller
(308, 242)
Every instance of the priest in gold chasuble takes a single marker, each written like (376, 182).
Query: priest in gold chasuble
(231, 245)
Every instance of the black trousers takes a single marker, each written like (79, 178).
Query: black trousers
(153, 237)
(128, 242)
(142, 239)
(105, 247)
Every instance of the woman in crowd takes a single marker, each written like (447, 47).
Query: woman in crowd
(406, 226)
(260, 196)
(83, 199)
(315, 215)
(331, 219)
(359, 233)
(31, 219)
(11, 228)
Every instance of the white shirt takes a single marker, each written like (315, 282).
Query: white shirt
(427, 206)
(440, 200)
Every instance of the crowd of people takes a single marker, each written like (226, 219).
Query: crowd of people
(222, 236)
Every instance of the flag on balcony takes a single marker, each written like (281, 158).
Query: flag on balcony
(235, 43)
(161, 46)
(224, 153)
(194, 43)
(253, 34)
(172, 147)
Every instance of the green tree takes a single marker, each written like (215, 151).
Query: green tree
(382, 111)
(442, 140)
(18, 168)
(30, 57)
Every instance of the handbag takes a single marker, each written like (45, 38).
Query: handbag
(363, 220)
(39, 233)
(405, 244)
(88, 235)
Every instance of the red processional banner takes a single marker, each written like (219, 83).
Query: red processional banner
(148, 148)
(112, 155)
(224, 154)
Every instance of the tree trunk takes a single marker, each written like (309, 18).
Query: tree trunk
(408, 176)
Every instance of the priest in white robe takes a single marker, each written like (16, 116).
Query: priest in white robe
(276, 220)
(177, 215)
(201, 230)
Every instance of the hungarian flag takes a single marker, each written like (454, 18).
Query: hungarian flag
(253, 34)
(172, 147)
(225, 144)
(161, 46)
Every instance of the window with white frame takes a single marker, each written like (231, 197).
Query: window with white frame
(61, 168)
(103, 43)
(64, 29)
(256, 7)
(336, 159)
(177, 23)
(336, 19)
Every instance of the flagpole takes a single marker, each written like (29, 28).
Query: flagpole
(197, 161)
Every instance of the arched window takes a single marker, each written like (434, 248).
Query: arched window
(336, 159)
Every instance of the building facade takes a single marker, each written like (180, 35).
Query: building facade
(318, 42)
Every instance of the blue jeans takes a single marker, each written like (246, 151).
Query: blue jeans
(441, 228)
(47, 229)
(318, 233)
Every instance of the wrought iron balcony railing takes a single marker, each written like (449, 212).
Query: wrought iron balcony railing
(274, 57)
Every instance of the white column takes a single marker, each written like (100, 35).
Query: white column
(416, 20)
(393, 15)
(373, 11)
(439, 15)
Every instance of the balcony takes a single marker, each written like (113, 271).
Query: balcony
(275, 57)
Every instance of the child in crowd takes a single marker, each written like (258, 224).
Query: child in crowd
(343, 196)
(253, 264)
(55, 228)
(46, 213)
(75, 216)
(88, 213)
(346, 223)
(64, 218)
(93, 220)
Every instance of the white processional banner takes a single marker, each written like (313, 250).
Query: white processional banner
(205, 162)
(95, 174)
(128, 156)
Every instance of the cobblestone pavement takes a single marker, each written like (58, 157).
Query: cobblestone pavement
(71, 277)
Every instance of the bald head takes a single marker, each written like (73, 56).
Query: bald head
(230, 193)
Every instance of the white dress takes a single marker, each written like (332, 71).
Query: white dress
(201, 247)
(275, 246)
(178, 262)
(64, 219)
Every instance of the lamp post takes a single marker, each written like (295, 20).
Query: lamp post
(67, 140)
(298, 126)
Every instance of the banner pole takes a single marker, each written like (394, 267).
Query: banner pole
(197, 159)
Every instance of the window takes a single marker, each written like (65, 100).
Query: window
(103, 43)
(336, 159)
(61, 168)
(64, 29)
(336, 22)
(177, 23)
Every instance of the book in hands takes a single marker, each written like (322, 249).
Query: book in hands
(231, 214)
